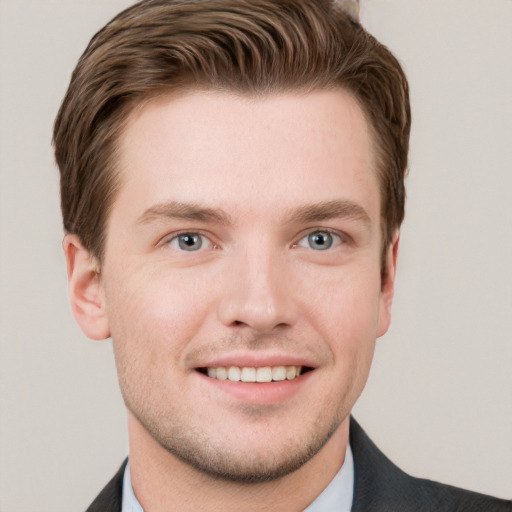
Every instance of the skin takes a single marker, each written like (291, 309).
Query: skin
(252, 179)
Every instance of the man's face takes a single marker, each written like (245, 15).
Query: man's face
(245, 241)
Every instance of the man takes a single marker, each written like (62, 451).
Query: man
(232, 179)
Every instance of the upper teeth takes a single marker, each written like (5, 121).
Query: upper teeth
(253, 374)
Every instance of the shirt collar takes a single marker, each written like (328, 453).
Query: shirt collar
(130, 502)
(336, 497)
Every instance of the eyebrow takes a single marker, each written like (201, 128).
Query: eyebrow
(184, 211)
(330, 210)
(314, 212)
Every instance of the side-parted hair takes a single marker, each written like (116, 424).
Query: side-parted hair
(250, 47)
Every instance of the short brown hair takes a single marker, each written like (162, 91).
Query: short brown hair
(245, 46)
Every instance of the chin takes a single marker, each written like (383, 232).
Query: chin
(260, 455)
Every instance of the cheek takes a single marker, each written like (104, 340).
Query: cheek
(347, 318)
(152, 319)
(346, 307)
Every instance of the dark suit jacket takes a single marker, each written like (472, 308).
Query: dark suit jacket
(379, 487)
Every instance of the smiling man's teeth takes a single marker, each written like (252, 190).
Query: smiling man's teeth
(254, 374)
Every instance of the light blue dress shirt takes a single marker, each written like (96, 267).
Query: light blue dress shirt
(336, 497)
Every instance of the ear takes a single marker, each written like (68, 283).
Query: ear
(85, 289)
(387, 290)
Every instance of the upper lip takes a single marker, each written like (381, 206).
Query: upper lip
(257, 360)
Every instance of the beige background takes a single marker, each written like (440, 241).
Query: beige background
(439, 400)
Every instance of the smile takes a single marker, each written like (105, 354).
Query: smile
(254, 374)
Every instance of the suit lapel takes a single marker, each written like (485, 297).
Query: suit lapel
(379, 485)
(110, 498)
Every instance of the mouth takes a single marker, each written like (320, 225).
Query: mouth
(260, 374)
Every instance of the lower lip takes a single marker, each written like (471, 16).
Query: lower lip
(264, 393)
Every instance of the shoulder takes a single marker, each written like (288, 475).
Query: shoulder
(381, 486)
(446, 498)
(110, 498)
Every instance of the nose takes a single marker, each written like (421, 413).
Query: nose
(258, 293)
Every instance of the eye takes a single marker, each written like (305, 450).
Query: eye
(190, 242)
(320, 240)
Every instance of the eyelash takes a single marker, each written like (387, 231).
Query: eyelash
(338, 239)
(175, 237)
(341, 238)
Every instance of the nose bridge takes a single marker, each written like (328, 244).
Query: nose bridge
(258, 295)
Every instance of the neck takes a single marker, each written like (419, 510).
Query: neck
(162, 482)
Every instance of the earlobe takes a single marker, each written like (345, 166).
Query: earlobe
(387, 291)
(85, 289)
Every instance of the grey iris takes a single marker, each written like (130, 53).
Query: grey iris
(320, 240)
(190, 242)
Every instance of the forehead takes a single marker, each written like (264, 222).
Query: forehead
(247, 152)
